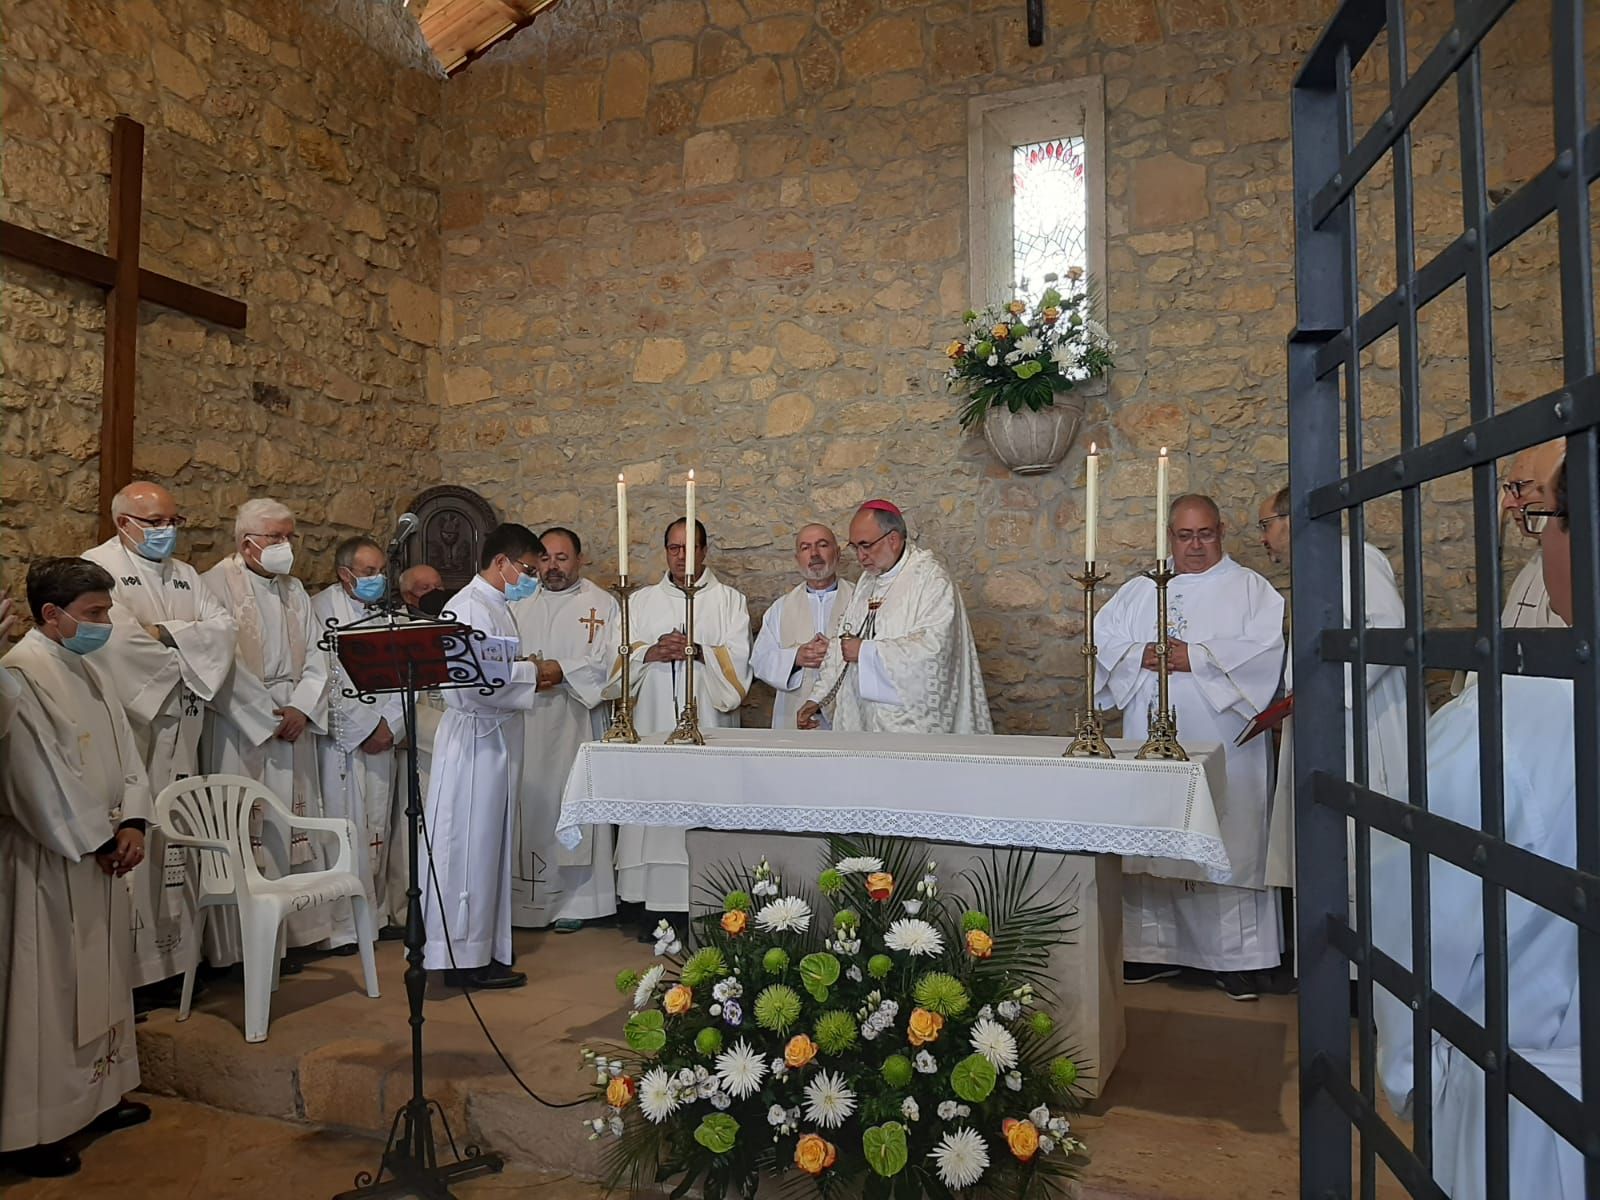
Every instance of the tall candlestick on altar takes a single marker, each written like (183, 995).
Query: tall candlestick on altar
(691, 542)
(622, 526)
(1091, 527)
(1161, 507)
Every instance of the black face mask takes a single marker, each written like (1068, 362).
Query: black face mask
(433, 602)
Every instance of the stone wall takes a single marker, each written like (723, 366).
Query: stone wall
(291, 152)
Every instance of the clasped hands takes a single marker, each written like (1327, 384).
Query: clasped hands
(673, 646)
(1177, 656)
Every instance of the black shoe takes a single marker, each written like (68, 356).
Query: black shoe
(630, 914)
(42, 1162)
(124, 1115)
(456, 979)
(349, 951)
(1133, 973)
(497, 975)
(289, 966)
(1239, 985)
(392, 933)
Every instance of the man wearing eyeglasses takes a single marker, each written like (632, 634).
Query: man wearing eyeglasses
(1528, 486)
(1225, 639)
(170, 651)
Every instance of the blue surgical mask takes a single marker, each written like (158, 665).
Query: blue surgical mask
(87, 638)
(158, 543)
(369, 589)
(524, 588)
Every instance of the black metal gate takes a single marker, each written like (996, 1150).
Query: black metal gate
(1331, 487)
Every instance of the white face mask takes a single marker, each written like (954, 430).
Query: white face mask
(277, 558)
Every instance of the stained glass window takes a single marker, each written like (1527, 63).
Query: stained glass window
(1049, 214)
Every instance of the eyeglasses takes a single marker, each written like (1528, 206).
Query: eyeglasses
(1266, 522)
(1515, 487)
(863, 547)
(159, 522)
(270, 539)
(1535, 520)
(525, 568)
(1190, 537)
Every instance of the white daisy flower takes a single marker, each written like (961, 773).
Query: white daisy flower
(926, 1063)
(994, 1041)
(658, 1097)
(914, 937)
(828, 1100)
(962, 1157)
(741, 1069)
(909, 1109)
(788, 915)
(647, 986)
(864, 864)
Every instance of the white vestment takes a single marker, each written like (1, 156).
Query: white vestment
(164, 690)
(1527, 606)
(475, 770)
(70, 774)
(10, 694)
(653, 861)
(1541, 947)
(276, 664)
(797, 617)
(1232, 620)
(430, 712)
(579, 628)
(918, 671)
(358, 786)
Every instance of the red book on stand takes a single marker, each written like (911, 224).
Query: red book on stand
(1268, 718)
(376, 658)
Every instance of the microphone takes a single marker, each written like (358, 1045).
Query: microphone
(406, 526)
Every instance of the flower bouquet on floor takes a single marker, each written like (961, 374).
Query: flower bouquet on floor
(866, 1036)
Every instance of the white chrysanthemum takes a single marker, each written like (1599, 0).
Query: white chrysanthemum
(962, 1157)
(994, 1041)
(864, 864)
(789, 914)
(741, 1069)
(658, 1095)
(828, 1100)
(647, 985)
(914, 937)
(1028, 345)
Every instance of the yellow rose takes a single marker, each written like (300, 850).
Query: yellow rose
(1016, 308)
(923, 1027)
(880, 885)
(619, 1092)
(979, 943)
(813, 1154)
(677, 1000)
(1000, 331)
(799, 1051)
(955, 350)
(1022, 1137)
(733, 923)
(1052, 315)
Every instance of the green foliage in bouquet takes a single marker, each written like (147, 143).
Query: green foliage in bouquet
(880, 1041)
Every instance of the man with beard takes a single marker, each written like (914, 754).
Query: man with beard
(798, 629)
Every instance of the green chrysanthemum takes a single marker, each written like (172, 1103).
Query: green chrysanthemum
(897, 1070)
(775, 960)
(627, 981)
(973, 919)
(941, 993)
(846, 918)
(1042, 1023)
(879, 966)
(829, 882)
(703, 966)
(777, 1008)
(836, 1032)
(708, 1041)
(736, 902)
(1063, 1072)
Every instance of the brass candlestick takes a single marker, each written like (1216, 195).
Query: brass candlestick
(1163, 740)
(621, 728)
(688, 732)
(1090, 741)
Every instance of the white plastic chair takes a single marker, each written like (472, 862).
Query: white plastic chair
(210, 815)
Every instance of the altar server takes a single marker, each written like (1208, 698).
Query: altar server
(1225, 637)
(573, 628)
(904, 661)
(74, 806)
(797, 631)
(171, 649)
(653, 862)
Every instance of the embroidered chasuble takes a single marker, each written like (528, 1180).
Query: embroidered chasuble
(794, 620)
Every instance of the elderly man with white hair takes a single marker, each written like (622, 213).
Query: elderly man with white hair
(264, 721)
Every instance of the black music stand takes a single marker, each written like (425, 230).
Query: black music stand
(381, 654)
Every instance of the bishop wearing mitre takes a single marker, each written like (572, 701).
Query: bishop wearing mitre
(572, 627)
(797, 631)
(653, 862)
(170, 651)
(904, 661)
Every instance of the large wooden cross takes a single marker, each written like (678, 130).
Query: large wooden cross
(126, 283)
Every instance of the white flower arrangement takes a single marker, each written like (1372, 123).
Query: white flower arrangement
(788, 915)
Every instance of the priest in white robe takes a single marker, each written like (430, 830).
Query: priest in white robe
(10, 688)
(474, 777)
(74, 806)
(797, 631)
(1541, 947)
(1225, 638)
(171, 649)
(572, 628)
(653, 862)
(904, 661)
(356, 762)
(264, 721)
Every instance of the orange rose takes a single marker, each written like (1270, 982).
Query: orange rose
(813, 1154)
(1052, 315)
(923, 1027)
(1001, 330)
(955, 350)
(880, 885)
(620, 1092)
(799, 1051)
(1022, 1137)
(1016, 308)
(734, 922)
(677, 1000)
(979, 943)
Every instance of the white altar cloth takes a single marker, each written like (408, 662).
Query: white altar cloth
(978, 790)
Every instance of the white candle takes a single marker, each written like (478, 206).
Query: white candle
(690, 541)
(1092, 504)
(622, 526)
(1161, 507)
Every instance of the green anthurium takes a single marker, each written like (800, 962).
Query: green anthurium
(646, 1032)
(973, 1078)
(717, 1133)
(885, 1148)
